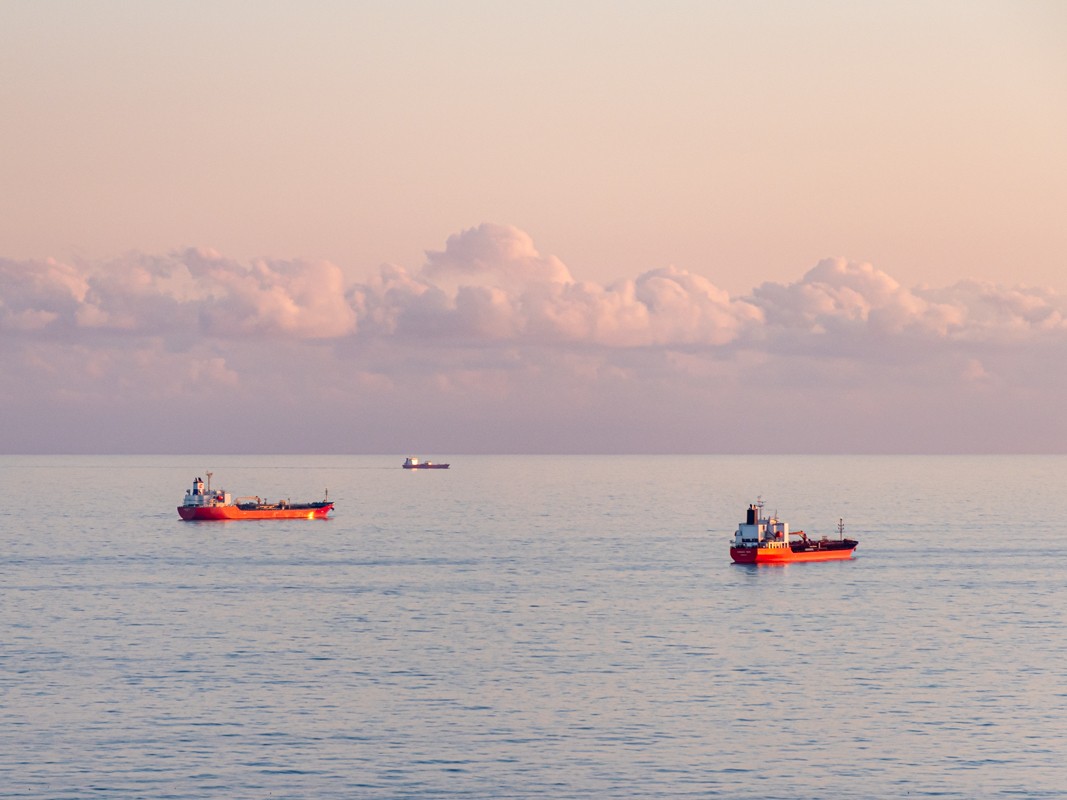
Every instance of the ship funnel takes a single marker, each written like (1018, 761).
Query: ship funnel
(753, 516)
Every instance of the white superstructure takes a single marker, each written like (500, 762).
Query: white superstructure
(201, 496)
(760, 531)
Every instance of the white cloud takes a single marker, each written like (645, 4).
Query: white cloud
(523, 297)
(842, 295)
(491, 285)
(304, 299)
(845, 300)
(492, 255)
(990, 312)
(194, 292)
(491, 333)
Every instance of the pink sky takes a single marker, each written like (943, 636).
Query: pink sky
(585, 227)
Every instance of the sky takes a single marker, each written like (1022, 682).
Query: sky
(595, 227)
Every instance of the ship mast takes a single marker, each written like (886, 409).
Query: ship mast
(841, 528)
(209, 474)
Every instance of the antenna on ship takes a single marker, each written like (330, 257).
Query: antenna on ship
(209, 474)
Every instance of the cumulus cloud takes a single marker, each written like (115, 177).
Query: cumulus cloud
(490, 283)
(36, 294)
(297, 298)
(988, 311)
(849, 298)
(493, 329)
(842, 295)
(493, 255)
(193, 292)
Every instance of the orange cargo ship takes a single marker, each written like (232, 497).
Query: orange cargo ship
(766, 540)
(205, 503)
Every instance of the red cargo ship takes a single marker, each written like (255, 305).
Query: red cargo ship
(766, 540)
(205, 503)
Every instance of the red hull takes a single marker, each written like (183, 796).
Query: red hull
(310, 511)
(786, 555)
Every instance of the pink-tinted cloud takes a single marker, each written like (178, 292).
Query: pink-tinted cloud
(36, 294)
(504, 291)
(490, 345)
(195, 292)
(848, 299)
(987, 311)
(296, 298)
(496, 255)
(491, 284)
(843, 295)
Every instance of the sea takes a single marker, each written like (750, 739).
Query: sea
(533, 627)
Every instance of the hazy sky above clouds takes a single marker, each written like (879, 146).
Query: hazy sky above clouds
(550, 227)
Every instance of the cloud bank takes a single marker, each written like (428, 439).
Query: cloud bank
(491, 346)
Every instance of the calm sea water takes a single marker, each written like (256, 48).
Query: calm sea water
(533, 627)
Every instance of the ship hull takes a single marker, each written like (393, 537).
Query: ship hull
(224, 512)
(426, 466)
(786, 555)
